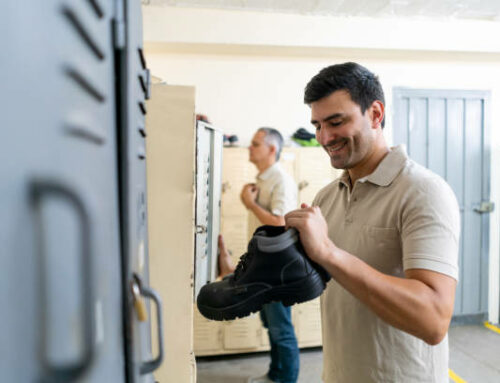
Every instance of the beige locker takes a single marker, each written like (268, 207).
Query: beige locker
(234, 229)
(208, 334)
(170, 141)
(314, 171)
(307, 323)
(242, 334)
(236, 172)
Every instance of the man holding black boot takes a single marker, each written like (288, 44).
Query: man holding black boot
(387, 232)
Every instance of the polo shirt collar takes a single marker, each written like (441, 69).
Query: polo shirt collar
(386, 171)
(266, 174)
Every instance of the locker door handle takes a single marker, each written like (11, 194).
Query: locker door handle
(484, 207)
(302, 185)
(38, 190)
(152, 365)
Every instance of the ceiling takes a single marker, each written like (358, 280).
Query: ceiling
(437, 9)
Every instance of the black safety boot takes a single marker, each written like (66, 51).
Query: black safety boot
(275, 268)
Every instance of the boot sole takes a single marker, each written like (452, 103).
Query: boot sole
(300, 291)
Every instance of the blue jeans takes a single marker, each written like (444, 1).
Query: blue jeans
(284, 367)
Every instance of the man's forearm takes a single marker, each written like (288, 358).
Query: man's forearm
(265, 217)
(409, 304)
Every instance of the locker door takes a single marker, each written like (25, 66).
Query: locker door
(307, 323)
(242, 334)
(133, 88)
(208, 203)
(59, 222)
(448, 132)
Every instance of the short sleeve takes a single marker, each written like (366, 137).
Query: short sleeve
(431, 228)
(284, 197)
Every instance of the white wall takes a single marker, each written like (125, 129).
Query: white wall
(244, 82)
(182, 25)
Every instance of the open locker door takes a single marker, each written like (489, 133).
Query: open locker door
(133, 89)
(59, 222)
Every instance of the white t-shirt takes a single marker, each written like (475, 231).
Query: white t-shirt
(402, 216)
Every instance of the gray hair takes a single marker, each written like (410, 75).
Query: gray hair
(274, 138)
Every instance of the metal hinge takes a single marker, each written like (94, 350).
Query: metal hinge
(201, 229)
(148, 84)
(485, 207)
(120, 34)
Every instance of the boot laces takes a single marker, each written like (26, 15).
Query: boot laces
(242, 265)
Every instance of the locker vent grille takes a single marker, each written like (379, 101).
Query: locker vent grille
(80, 80)
(141, 57)
(82, 32)
(97, 8)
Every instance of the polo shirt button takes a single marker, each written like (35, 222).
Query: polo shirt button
(348, 220)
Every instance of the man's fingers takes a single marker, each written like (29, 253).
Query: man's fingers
(294, 222)
(298, 214)
(222, 245)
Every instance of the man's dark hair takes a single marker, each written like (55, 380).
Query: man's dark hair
(363, 86)
(274, 138)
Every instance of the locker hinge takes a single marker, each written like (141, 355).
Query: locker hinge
(201, 229)
(148, 84)
(119, 30)
(485, 207)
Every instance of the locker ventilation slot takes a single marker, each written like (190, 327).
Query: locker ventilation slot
(97, 8)
(85, 133)
(141, 57)
(142, 131)
(142, 107)
(143, 84)
(85, 84)
(82, 32)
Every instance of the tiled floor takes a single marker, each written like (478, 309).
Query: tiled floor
(474, 358)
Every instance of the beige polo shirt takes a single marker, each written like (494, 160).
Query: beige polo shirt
(277, 194)
(400, 217)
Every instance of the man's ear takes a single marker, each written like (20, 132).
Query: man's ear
(272, 148)
(377, 112)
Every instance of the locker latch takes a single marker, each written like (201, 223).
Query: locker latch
(201, 229)
(485, 207)
(139, 305)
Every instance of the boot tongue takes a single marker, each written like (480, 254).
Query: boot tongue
(269, 231)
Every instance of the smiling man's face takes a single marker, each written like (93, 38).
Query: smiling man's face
(344, 132)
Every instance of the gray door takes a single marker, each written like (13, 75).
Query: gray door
(448, 132)
(59, 221)
(133, 91)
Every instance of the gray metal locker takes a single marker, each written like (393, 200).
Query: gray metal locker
(133, 93)
(59, 197)
(72, 195)
(448, 132)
